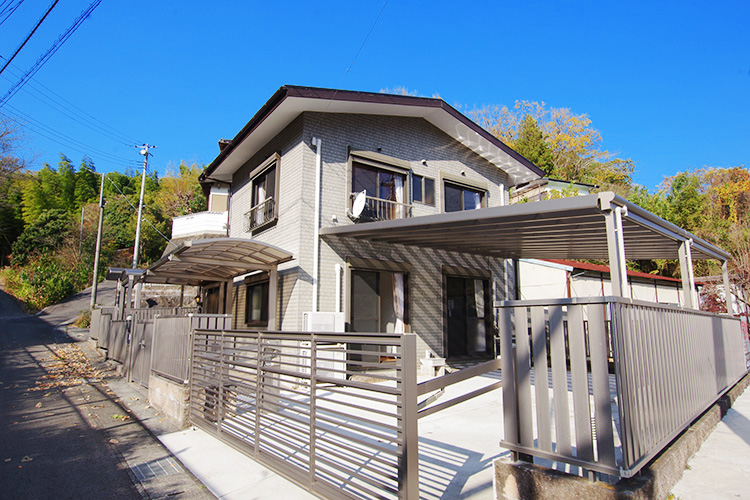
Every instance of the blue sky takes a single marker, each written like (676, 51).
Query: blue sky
(666, 83)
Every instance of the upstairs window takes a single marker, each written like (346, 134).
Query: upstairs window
(264, 197)
(423, 190)
(459, 197)
(384, 191)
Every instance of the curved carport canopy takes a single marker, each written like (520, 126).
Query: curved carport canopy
(601, 226)
(217, 259)
(200, 262)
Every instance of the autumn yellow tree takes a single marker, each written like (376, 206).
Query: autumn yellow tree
(180, 193)
(576, 147)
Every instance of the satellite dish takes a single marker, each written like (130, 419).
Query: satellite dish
(359, 203)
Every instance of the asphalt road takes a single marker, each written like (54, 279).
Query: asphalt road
(48, 448)
(63, 432)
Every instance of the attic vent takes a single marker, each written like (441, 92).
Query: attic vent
(223, 143)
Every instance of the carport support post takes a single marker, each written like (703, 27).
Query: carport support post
(408, 470)
(686, 273)
(616, 251)
(727, 285)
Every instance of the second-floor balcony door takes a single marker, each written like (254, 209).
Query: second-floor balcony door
(264, 189)
(385, 191)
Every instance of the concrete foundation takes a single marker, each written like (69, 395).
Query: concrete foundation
(172, 398)
(522, 480)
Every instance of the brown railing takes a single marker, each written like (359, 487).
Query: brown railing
(261, 214)
(566, 400)
(297, 402)
(379, 209)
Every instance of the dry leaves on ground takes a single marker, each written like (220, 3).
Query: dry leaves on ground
(68, 367)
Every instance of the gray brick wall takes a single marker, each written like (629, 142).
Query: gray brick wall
(409, 139)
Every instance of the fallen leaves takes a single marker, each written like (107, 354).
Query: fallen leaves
(120, 417)
(68, 367)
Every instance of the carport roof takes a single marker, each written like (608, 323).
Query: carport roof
(569, 228)
(217, 259)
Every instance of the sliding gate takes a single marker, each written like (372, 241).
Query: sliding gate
(314, 407)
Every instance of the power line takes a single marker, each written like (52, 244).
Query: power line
(74, 116)
(10, 9)
(28, 37)
(135, 209)
(367, 37)
(50, 52)
(95, 123)
(21, 116)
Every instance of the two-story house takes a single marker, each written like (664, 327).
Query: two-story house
(314, 158)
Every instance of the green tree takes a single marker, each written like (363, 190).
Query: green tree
(531, 144)
(86, 183)
(44, 235)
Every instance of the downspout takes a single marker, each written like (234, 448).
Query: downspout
(316, 217)
(337, 269)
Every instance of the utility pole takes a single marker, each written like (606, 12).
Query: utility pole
(98, 244)
(136, 248)
(145, 153)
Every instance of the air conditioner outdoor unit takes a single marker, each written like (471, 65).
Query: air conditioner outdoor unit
(330, 358)
(323, 322)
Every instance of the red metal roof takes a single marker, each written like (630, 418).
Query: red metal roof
(605, 269)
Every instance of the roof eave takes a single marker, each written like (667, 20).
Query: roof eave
(333, 95)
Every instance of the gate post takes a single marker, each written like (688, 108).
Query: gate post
(408, 473)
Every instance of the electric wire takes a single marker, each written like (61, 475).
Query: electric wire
(23, 117)
(351, 64)
(44, 91)
(133, 207)
(75, 116)
(83, 150)
(9, 10)
(50, 52)
(28, 37)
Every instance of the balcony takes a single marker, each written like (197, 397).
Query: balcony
(260, 215)
(379, 209)
(201, 223)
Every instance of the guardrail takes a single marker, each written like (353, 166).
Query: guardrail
(300, 403)
(562, 403)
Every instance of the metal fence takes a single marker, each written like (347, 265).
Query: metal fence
(303, 404)
(141, 343)
(117, 345)
(171, 342)
(99, 327)
(573, 400)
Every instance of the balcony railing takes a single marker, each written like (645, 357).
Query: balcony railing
(261, 214)
(380, 209)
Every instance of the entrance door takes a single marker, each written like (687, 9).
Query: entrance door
(378, 304)
(365, 312)
(212, 304)
(467, 309)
